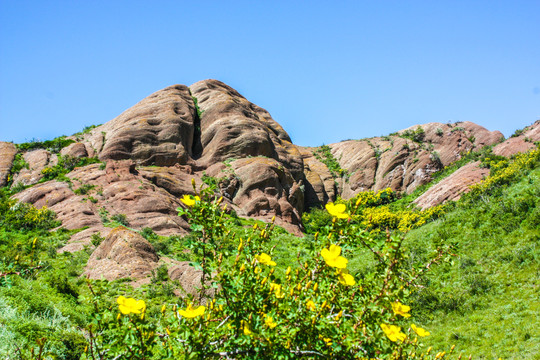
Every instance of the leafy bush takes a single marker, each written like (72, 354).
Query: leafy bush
(17, 215)
(416, 135)
(324, 155)
(316, 308)
(121, 219)
(54, 146)
(65, 165)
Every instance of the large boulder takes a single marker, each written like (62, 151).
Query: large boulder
(7, 155)
(453, 186)
(158, 130)
(520, 143)
(123, 254)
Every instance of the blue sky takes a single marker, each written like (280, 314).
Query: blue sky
(325, 70)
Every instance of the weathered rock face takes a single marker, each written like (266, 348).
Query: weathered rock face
(453, 186)
(37, 160)
(397, 162)
(233, 127)
(156, 131)
(154, 149)
(521, 143)
(123, 254)
(126, 254)
(320, 186)
(7, 155)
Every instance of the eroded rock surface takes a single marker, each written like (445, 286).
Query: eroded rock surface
(453, 186)
(521, 143)
(7, 155)
(403, 161)
(123, 254)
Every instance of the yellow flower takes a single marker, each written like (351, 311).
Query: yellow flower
(337, 210)
(241, 245)
(276, 288)
(400, 309)
(265, 259)
(311, 305)
(419, 331)
(345, 278)
(190, 200)
(245, 327)
(332, 258)
(268, 321)
(191, 312)
(393, 332)
(130, 305)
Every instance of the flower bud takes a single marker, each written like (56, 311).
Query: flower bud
(241, 245)
(242, 268)
(288, 271)
(315, 287)
(273, 218)
(220, 200)
(193, 183)
(163, 309)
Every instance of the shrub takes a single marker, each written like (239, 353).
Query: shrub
(120, 218)
(316, 308)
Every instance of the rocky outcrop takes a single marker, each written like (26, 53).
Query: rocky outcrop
(36, 161)
(520, 143)
(7, 155)
(453, 186)
(401, 161)
(233, 127)
(208, 132)
(126, 254)
(123, 254)
(157, 131)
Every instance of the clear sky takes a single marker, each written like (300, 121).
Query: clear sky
(325, 70)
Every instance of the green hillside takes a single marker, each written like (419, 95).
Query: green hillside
(484, 298)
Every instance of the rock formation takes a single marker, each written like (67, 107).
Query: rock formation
(210, 133)
(401, 161)
(7, 155)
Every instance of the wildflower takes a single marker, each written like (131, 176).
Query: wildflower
(400, 309)
(345, 278)
(241, 245)
(419, 331)
(327, 341)
(191, 312)
(337, 210)
(393, 332)
(268, 321)
(311, 305)
(242, 268)
(276, 289)
(130, 305)
(245, 327)
(265, 259)
(190, 200)
(332, 258)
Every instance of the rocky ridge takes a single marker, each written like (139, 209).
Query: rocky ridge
(210, 133)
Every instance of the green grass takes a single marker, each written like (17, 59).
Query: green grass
(487, 302)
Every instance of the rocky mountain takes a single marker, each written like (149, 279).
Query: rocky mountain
(210, 133)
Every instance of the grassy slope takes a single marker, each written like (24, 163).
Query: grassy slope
(488, 301)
